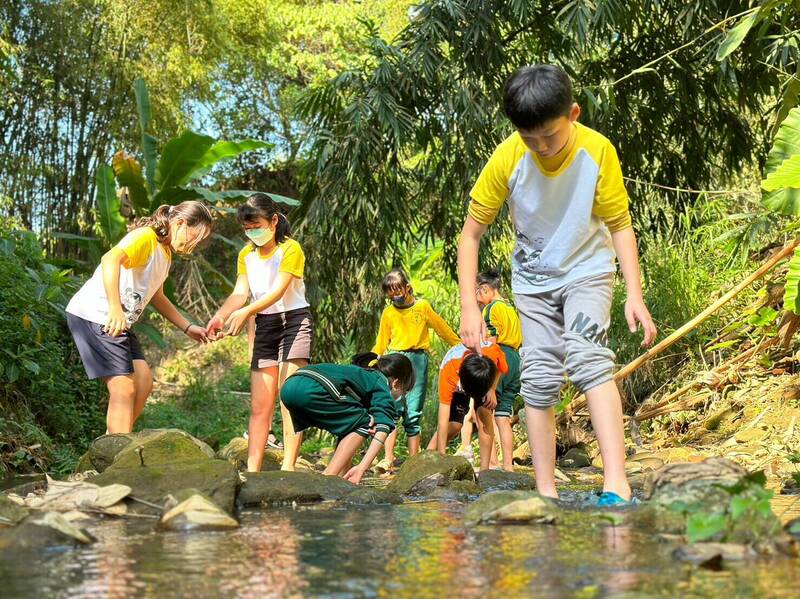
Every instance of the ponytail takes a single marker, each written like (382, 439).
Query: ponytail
(395, 366)
(192, 212)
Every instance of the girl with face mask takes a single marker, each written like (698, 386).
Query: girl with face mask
(404, 328)
(269, 276)
(131, 275)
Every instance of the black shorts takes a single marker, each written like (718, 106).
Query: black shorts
(281, 337)
(103, 355)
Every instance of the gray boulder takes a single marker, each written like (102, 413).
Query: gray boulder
(500, 480)
(196, 512)
(276, 488)
(512, 507)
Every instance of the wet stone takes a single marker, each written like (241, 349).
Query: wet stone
(500, 480)
(276, 488)
(426, 471)
(512, 506)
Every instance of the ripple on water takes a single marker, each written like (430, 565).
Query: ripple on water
(411, 550)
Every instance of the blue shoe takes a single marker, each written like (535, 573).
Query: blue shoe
(610, 499)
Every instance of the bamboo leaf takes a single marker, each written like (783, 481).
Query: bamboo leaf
(787, 144)
(150, 152)
(226, 150)
(180, 157)
(175, 195)
(142, 104)
(735, 36)
(129, 174)
(112, 223)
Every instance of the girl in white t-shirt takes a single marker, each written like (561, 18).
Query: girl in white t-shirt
(270, 275)
(130, 276)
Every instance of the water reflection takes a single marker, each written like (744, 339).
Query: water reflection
(419, 550)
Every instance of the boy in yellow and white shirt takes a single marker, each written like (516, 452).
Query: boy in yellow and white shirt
(569, 207)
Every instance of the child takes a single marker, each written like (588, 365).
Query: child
(350, 402)
(569, 208)
(270, 272)
(503, 327)
(130, 276)
(404, 329)
(466, 375)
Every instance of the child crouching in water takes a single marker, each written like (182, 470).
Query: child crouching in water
(130, 276)
(350, 402)
(465, 375)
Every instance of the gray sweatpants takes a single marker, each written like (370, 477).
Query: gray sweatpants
(565, 330)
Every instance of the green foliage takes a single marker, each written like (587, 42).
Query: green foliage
(45, 399)
(781, 183)
(112, 223)
(747, 517)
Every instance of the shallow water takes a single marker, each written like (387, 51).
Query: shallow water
(411, 550)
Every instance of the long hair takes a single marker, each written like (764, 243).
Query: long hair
(192, 212)
(395, 366)
(260, 205)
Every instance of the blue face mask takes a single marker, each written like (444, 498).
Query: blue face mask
(259, 236)
(398, 300)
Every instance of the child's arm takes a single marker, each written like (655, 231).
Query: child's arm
(235, 300)
(237, 319)
(161, 303)
(473, 328)
(439, 324)
(110, 264)
(443, 423)
(384, 335)
(355, 473)
(624, 242)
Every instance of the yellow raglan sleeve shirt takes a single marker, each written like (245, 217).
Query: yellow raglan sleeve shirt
(491, 189)
(138, 246)
(294, 260)
(241, 267)
(611, 197)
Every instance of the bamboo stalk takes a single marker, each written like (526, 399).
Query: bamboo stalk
(687, 328)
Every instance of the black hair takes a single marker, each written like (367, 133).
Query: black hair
(394, 278)
(260, 205)
(395, 366)
(477, 375)
(490, 277)
(536, 94)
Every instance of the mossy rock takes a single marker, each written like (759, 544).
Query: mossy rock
(162, 447)
(236, 453)
(427, 464)
(276, 488)
(159, 446)
(512, 506)
(217, 479)
(41, 531)
(370, 496)
(457, 490)
(11, 513)
(500, 480)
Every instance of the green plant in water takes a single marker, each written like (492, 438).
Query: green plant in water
(746, 517)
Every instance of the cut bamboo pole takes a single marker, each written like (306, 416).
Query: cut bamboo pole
(580, 402)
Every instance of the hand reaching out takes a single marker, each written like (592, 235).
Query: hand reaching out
(237, 321)
(354, 475)
(214, 328)
(197, 333)
(636, 312)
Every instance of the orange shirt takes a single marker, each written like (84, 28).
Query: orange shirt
(449, 382)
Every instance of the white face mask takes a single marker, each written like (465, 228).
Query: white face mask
(260, 236)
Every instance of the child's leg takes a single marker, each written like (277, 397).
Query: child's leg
(506, 441)
(590, 365)
(263, 389)
(415, 400)
(485, 422)
(343, 456)
(291, 440)
(493, 454)
(121, 400)
(388, 447)
(542, 439)
(453, 430)
(143, 381)
(605, 408)
(541, 377)
(466, 428)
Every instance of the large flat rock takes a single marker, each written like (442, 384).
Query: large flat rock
(275, 488)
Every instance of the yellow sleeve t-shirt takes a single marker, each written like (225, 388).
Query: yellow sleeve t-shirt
(404, 329)
(563, 208)
(502, 322)
(262, 271)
